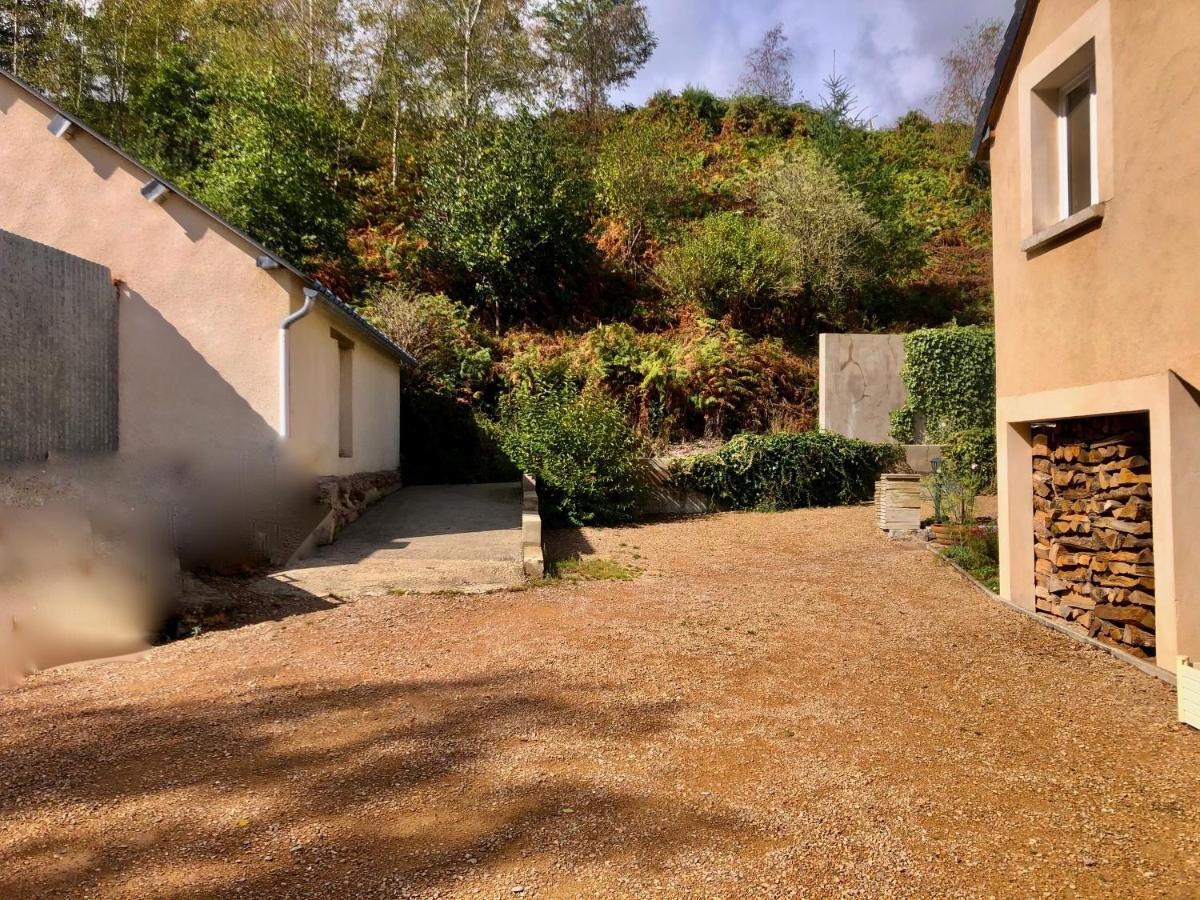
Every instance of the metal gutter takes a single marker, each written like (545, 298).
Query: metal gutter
(285, 362)
(330, 300)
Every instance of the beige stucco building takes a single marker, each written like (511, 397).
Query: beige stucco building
(214, 392)
(1090, 129)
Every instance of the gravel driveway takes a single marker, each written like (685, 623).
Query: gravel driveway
(781, 705)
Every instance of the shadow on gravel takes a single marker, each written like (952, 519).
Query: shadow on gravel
(221, 602)
(566, 543)
(395, 785)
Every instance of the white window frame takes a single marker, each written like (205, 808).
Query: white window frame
(1088, 77)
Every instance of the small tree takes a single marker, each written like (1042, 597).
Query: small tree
(504, 209)
(173, 111)
(967, 72)
(271, 168)
(768, 69)
(730, 265)
(643, 176)
(833, 240)
(587, 460)
(597, 45)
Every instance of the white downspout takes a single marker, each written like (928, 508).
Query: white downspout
(285, 368)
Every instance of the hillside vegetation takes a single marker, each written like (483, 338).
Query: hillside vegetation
(453, 168)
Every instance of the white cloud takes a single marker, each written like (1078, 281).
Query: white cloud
(889, 49)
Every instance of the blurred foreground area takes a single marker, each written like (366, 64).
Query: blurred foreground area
(69, 592)
(93, 551)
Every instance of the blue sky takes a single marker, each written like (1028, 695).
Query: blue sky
(889, 49)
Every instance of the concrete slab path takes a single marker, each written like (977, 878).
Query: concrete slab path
(464, 537)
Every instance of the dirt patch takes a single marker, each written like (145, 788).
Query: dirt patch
(779, 705)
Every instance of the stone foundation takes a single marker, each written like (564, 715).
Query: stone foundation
(1093, 540)
(349, 496)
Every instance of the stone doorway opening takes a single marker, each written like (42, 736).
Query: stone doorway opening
(1093, 529)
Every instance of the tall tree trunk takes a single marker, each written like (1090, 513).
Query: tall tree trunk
(396, 140)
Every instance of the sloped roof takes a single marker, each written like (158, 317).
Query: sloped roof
(333, 302)
(1006, 63)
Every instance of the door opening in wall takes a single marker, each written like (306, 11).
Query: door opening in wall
(345, 394)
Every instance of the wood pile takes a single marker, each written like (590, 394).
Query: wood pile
(1093, 540)
(898, 502)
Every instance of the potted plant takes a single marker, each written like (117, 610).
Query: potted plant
(954, 487)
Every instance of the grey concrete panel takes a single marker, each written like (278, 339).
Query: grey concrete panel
(860, 384)
(58, 363)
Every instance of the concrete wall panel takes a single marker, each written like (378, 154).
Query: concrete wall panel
(860, 384)
(58, 367)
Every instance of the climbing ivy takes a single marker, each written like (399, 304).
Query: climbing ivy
(950, 375)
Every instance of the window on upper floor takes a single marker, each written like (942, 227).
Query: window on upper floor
(1065, 136)
(1078, 172)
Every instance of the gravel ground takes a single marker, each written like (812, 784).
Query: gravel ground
(781, 705)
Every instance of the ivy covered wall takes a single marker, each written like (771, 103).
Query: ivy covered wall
(950, 375)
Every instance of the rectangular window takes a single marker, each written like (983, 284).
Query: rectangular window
(345, 395)
(1078, 188)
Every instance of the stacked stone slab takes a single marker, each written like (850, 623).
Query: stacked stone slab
(898, 502)
(1093, 539)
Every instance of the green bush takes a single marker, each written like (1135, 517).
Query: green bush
(453, 355)
(587, 460)
(644, 175)
(788, 470)
(760, 117)
(504, 208)
(704, 106)
(270, 168)
(974, 449)
(833, 241)
(729, 265)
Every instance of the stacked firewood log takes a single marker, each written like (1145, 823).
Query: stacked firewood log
(1093, 538)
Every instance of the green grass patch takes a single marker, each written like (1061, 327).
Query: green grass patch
(593, 570)
(979, 554)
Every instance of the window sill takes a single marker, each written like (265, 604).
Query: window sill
(1060, 230)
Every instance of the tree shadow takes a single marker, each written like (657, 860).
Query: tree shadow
(286, 790)
(212, 602)
(566, 543)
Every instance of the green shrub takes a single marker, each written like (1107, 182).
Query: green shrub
(587, 460)
(760, 117)
(973, 449)
(788, 470)
(452, 352)
(504, 208)
(704, 106)
(645, 173)
(271, 168)
(730, 265)
(833, 241)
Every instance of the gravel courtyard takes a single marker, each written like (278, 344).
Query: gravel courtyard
(780, 705)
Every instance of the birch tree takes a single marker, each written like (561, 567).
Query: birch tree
(768, 69)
